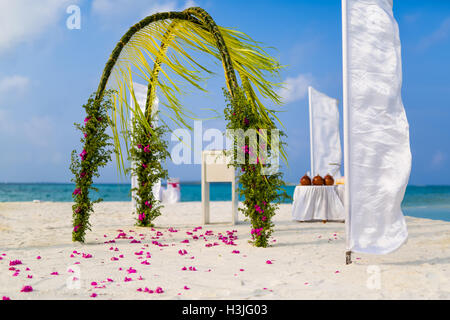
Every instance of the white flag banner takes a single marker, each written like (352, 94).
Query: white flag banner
(140, 92)
(377, 157)
(326, 154)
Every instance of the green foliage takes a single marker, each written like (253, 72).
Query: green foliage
(85, 166)
(148, 152)
(262, 192)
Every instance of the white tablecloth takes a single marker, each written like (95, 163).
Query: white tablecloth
(318, 203)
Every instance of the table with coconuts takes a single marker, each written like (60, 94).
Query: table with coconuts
(318, 200)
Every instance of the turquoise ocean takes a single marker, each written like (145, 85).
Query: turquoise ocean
(432, 202)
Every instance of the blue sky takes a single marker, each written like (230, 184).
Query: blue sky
(48, 71)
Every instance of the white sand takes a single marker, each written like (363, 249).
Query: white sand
(308, 260)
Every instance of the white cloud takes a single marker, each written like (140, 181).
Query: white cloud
(39, 130)
(295, 89)
(24, 20)
(442, 33)
(13, 83)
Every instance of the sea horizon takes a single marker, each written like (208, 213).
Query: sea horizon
(422, 201)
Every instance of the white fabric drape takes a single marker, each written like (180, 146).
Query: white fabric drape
(379, 157)
(140, 92)
(172, 194)
(326, 154)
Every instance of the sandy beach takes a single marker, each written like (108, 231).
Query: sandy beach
(121, 261)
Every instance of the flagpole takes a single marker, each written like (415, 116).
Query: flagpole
(311, 132)
(348, 254)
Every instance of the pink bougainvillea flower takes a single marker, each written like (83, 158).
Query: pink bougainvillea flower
(147, 148)
(15, 262)
(159, 290)
(93, 283)
(139, 146)
(77, 191)
(55, 273)
(264, 218)
(6, 298)
(86, 120)
(269, 262)
(185, 241)
(337, 271)
(93, 295)
(235, 251)
(127, 279)
(76, 228)
(83, 155)
(186, 288)
(184, 268)
(258, 209)
(27, 289)
(241, 270)
(38, 257)
(148, 204)
(144, 166)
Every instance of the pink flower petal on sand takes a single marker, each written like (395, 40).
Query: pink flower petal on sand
(131, 270)
(54, 273)
(27, 289)
(6, 298)
(159, 290)
(186, 288)
(337, 271)
(38, 257)
(93, 295)
(15, 262)
(269, 262)
(93, 283)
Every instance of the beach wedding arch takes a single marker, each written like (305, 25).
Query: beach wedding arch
(158, 50)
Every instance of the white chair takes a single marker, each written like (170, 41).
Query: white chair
(172, 193)
(215, 169)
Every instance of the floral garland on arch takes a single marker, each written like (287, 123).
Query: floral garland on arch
(262, 192)
(148, 153)
(96, 153)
